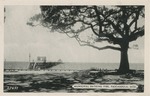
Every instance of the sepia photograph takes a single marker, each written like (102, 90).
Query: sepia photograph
(74, 48)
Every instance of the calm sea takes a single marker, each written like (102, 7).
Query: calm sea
(81, 66)
(78, 66)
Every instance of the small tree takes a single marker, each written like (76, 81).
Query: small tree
(114, 24)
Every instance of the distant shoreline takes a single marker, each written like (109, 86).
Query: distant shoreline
(49, 71)
(79, 62)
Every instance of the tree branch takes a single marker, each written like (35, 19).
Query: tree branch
(115, 27)
(134, 36)
(99, 48)
(134, 20)
(111, 13)
(84, 10)
(106, 47)
(92, 27)
(137, 13)
(99, 19)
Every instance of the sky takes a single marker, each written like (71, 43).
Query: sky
(21, 39)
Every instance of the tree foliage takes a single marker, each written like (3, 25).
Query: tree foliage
(115, 24)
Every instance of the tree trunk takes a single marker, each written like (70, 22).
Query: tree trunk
(124, 63)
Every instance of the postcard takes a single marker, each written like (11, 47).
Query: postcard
(56, 48)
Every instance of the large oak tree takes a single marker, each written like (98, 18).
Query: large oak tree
(114, 24)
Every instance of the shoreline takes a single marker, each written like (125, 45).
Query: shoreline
(51, 71)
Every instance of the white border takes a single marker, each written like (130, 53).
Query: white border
(80, 2)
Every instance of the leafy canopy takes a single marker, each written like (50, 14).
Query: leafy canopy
(115, 24)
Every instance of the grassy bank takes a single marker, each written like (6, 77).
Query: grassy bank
(62, 82)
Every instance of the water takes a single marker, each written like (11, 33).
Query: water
(84, 66)
(76, 66)
(16, 65)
